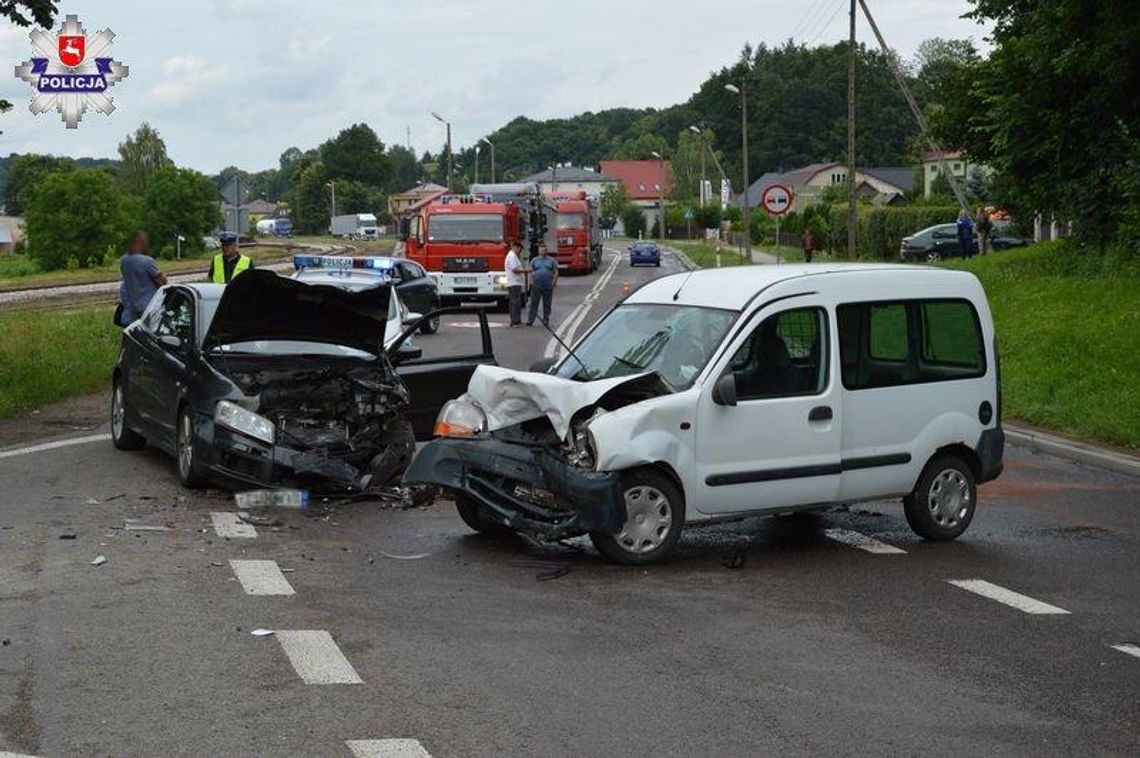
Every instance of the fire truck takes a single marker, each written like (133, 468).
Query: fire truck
(461, 240)
(576, 231)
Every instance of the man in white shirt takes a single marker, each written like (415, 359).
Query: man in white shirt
(515, 281)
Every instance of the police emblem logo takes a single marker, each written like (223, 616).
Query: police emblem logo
(72, 72)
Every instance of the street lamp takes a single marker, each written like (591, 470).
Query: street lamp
(492, 146)
(695, 130)
(446, 123)
(660, 194)
(332, 185)
(746, 245)
(553, 169)
(476, 181)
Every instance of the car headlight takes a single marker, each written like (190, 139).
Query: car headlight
(459, 418)
(501, 280)
(233, 416)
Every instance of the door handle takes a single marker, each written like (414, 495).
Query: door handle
(820, 413)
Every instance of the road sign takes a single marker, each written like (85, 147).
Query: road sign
(688, 214)
(777, 200)
(234, 193)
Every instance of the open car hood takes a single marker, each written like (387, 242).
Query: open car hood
(509, 397)
(260, 305)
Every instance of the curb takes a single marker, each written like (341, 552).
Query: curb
(1078, 452)
(685, 260)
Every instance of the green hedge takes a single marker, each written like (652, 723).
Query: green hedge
(879, 231)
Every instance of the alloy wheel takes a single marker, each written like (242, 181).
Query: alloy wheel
(118, 412)
(185, 446)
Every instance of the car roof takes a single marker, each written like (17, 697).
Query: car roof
(734, 287)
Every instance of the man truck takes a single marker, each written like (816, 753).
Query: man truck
(577, 233)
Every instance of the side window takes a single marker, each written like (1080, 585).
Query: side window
(177, 318)
(888, 332)
(952, 344)
(408, 271)
(786, 355)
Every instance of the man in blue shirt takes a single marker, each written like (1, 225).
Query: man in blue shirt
(965, 233)
(543, 278)
(141, 278)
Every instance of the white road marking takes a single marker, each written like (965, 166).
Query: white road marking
(406, 748)
(1008, 597)
(227, 524)
(316, 657)
(569, 326)
(261, 578)
(863, 542)
(54, 446)
(21, 755)
(1133, 650)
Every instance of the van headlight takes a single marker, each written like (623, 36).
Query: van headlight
(459, 418)
(233, 416)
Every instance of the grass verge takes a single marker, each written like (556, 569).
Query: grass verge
(704, 253)
(45, 357)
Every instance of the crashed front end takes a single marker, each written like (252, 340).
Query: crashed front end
(518, 445)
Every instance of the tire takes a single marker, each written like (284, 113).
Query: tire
(431, 326)
(657, 264)
(942, 504)
(122, 437)
(655, 516)
(933, 256)
(479, 518)
(184, 456)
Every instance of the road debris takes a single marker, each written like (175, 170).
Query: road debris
(294, 499)
(255, 520)
(547, 570)
(131, 526)
(735, 560)
(415, 557)
(68, 536)
(261, 632)
(98, 560)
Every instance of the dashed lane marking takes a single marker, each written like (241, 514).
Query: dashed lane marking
(863, 542)
(316, 657)
(1008, 597)
(227, 524)
(569, 326)
(21, 755)
(405, 748)
(43, 446)
(1133, 650)
(261, 577)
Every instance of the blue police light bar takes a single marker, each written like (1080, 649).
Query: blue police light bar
(342, 262)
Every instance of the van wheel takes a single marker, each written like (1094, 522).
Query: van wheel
(942, 504)
(655, 515)
(480, 518)
(184, 452)
(122, 437)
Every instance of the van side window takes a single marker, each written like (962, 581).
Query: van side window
(893, 343)
(785, 356)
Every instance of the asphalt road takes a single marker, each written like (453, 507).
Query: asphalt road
(404, 634)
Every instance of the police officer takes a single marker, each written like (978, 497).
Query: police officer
(228, 263)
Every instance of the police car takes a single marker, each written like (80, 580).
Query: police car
(417, 291)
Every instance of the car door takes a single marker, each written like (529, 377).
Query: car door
(175, 340)
(416, 288)
(140, 354)
(437, 377)
(779, 444)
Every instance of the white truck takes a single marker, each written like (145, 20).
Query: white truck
(360, 226)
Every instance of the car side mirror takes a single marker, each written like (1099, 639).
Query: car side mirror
(405, 228)
(543, 366)
(724, 391)
(407, 353)
(412, 318)
(171, 341)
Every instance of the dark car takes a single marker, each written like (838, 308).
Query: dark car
(270, 382)
(941, 241)
(644, 253)
(417, 290)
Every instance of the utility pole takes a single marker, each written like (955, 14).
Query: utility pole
(660, 194)
(704, 145)
(476, 165)
(851, 139)
(446, 123)
(492, 146)
(746, 243)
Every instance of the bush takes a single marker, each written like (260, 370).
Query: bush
(633, 221)
(73, 217)
(13, 266)
(879, 231)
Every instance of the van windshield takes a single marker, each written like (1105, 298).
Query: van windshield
(676, 341)
(468, 227)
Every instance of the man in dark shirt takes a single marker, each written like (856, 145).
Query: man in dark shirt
(543, 278)
(228, 263)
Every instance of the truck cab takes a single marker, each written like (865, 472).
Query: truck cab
(577, 235)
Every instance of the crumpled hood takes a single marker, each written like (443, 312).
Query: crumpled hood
(260, 305)
(509, 397)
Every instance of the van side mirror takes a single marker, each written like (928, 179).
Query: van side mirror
(405, 228)
(724, 391)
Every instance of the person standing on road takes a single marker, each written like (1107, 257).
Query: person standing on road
(808, 244)
(229, 262)
(965, 234)
(543, 279)
(141, 278)
(985, 227)
(513, 265)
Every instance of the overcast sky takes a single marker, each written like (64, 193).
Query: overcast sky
(238, 81)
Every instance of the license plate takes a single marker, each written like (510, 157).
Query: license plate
(466, 279)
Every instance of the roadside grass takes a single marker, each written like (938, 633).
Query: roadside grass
(704, 254)
(1068, 329)
(49, 356)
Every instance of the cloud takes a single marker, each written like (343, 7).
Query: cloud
(185, 78)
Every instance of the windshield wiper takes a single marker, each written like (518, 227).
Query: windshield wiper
(629, 363)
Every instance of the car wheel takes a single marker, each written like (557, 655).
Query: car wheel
(658, 264)
(654, 517)
(942, 504)
(431, 326)
(933, 256)
(184, 451)
(480, 518)
(121, 435)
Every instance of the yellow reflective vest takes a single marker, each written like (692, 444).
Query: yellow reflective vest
(219, 267)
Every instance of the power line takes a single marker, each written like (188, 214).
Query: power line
(827, 24)
(813, 11)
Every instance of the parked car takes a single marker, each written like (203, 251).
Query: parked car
(729, 392)
(941, 241)
(416, 289)
(268, 381)
(643, 252)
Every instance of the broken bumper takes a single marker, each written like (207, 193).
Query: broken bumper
(495, 474)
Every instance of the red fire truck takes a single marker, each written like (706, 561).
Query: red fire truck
(461, 240)
(576, 231)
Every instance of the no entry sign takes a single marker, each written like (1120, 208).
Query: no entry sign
(777, 200)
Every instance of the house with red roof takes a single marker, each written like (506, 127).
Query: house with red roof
(645, 183)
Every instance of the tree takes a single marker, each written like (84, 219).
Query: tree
(353, 197)
(406, 170)
(143, 154)
(311, 202)
(24, 171)
(633, 221)
(685, 161)
(75, 218)
(613, 203)
(25, 13)
(356, 154)
(180, 201)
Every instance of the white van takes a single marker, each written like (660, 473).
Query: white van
(736, 391)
